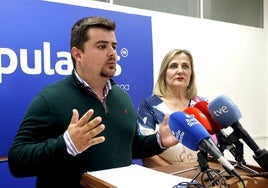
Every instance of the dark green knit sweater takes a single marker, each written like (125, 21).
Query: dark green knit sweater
(39, 149)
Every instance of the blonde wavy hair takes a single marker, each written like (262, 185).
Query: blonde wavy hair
(160, 88)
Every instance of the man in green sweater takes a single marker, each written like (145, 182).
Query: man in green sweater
(57, 145)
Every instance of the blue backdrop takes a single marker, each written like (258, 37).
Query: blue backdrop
(34, 51)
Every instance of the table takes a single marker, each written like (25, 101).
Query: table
(3, 159)
(190, 170)
(89, 181)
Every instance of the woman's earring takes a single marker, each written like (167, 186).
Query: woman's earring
(188, 90)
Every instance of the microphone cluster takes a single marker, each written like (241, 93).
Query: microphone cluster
(195, 125)
(226, 113)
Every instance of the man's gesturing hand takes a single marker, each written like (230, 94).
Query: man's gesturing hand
(83, 132)
(166, 136)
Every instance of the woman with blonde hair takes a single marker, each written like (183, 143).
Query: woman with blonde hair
(175, 90)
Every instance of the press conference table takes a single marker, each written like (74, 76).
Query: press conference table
(190, 170)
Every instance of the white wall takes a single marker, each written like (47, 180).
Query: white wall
(266, 70)
(229, 59)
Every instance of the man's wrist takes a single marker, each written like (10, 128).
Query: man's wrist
(159, 141)
(71, 149)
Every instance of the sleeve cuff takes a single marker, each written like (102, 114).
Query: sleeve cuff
(159, 141)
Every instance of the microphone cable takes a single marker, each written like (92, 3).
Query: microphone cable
(217, 179)
(214, 177)
(259, 174)
(188, 184)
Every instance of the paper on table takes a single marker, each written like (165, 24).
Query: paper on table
(139, 177)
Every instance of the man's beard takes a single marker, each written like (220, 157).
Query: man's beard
(107, 74)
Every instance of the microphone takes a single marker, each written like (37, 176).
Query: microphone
(226, 113)
(224, 141)
(203, 107)
(189, 131)
(200, 117)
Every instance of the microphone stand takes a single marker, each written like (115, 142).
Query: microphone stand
(238, 153)
(186, 170)
(233, 144)
(240, 161)
(204, 168)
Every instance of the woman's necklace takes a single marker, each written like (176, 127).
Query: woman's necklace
(176, 104)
